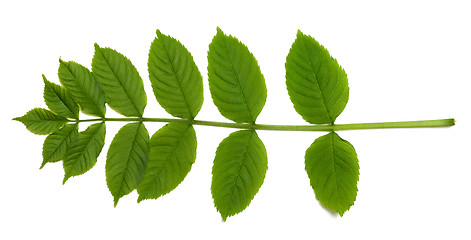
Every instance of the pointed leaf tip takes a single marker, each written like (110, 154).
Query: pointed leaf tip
(127, 159)
(158, 33)
(176, 80)
(42, 121)
(82, 154)
(316, 83)
(59, 100)
(236, 82)
(57, 143)
(83, 87)
(232, 186)
(121, 83)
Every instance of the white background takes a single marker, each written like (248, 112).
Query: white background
(406, 60)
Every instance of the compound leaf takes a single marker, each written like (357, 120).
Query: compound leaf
(123, 87)
(172, 153)
(332, 167)
(82, 154)
(317, 84)
(58, 100)
(238, 172)
(56, 144)
(236, 83)
(175, 78)
(83, 87)
(42, 121)
(127, 159)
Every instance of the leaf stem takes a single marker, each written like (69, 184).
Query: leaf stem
(312, 127)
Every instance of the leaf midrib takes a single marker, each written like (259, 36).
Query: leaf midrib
(119, 82)
(70, 132)
(315, 79)
(177, 78)
(47, 120)
(237, 78)
(171, 153)
(334, 168)
(62, 100)
(120, 191)
(86, 146)
(246, 147)
(38, 116)
(83, 90)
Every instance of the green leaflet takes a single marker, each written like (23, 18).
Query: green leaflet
(236, 83)
(123, 87)
(238, 172)
(332, 167)
(317, 84)
(42, 121)
(127, 159)
(172, 153)
(82, 154)
(58, 100)
(57, 143)
(83, 87)
(175, 78)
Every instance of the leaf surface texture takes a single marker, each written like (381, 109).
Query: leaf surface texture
(42, 121)
(82, 155)
(123, 87)
(127, 159)
(172, 153)
(175, 78)
(316, 83)
(332, 166)
(56, 144)
(236, 83)
(238, 172)
(83, 87)
(58, 100)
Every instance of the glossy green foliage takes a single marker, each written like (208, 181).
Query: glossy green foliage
(83, 87)
(175, 78)
(172, 153)
(58, 100)
(56, 144)
(238, 172)
(332, 167)
(316, 83)
(123, 87)
(42, 121)
(127, 159)
(318, 87)
(236, 83)
(82, 155)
